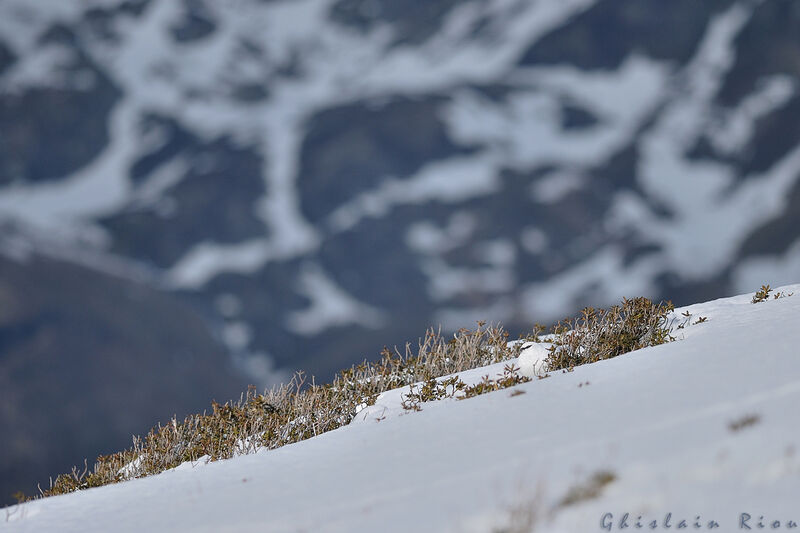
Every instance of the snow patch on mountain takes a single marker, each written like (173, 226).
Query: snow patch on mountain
(626, 177)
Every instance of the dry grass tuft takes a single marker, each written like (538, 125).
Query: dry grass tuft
(744, 422)
(454, 387)
(589, 490)
(599, 334)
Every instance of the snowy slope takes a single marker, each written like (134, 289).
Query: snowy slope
(657, 419)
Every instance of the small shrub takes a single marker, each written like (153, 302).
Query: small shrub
(454, 387)
(431, 390)
(761, 295)
(589, 490)
(508, 378)
(744, 422)
(687, 320)
(599, 334)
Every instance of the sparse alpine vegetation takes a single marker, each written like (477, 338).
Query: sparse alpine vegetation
(290, 413)
(762, 294)
(454, 387)
(598, 334)
(301, 409)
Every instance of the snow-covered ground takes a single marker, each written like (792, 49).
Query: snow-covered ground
(661, 423)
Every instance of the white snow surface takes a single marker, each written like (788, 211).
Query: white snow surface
(658, 419)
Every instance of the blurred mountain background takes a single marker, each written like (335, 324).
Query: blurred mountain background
(200, 194)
